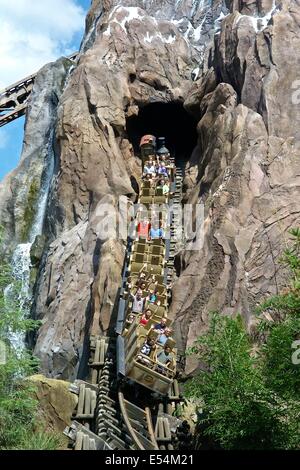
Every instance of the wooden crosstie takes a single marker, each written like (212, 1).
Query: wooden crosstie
(87, 400)
(84, 439)
(98, 348)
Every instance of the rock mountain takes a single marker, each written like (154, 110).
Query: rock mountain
(221, 80)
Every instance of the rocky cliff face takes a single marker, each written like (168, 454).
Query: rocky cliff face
(243, 168)
(56, 403)
(19, 191)
(132, 54)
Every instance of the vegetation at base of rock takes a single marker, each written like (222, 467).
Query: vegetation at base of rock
(18, 408)
(30, 209)
(250, 400)
(288, 301)
(281, 374)
(284, 328)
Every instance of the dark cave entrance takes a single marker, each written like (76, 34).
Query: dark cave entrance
(169, 120)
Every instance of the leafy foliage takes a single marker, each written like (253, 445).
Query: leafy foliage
(288, 301)
(281, 374)
(241, 411)
(18, 407)
(251, 401)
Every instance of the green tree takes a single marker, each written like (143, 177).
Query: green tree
(281, 374)
(252, 401)
(283, 327)
(287, 302)
(18, 407)
(240, 411)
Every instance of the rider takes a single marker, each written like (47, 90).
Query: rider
(138, 302)
(164, 337)
(149, 168)
(166, 188)
(165, 357)
(143, 228)
(162, 170)
(146, 317)
(161, 326)
(156, 232)
(146, 349)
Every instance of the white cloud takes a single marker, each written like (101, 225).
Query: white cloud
(35, 32)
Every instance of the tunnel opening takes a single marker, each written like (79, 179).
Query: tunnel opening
(169, 120)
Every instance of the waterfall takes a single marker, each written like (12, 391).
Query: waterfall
(37, 226)
(21, 263)
(21, 274)
(89, 39)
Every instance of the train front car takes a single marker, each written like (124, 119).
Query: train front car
(147, 147)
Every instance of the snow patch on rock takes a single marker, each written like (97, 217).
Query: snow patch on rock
(259, 23)
(167, 40)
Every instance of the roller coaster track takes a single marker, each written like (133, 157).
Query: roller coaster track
(104, 419)
(14, 99)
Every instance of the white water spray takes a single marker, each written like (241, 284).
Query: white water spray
(21, 263)
(91, 35)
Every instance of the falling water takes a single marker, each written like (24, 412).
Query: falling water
(21, 263)
(21, 272)
(44, 191)
(91, 34)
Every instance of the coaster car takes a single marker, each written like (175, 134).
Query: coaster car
(147, 146)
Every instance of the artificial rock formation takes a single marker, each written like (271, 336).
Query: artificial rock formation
(243, 168)
(131, 56)
(56, 402)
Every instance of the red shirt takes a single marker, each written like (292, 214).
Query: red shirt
(144, 321)
(143, 229)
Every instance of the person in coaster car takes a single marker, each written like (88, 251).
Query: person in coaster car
(163, 338)
(161, 326)
(165, 358)
(146, 317)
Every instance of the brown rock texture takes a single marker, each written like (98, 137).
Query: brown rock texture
(131, 56)
(56, 402)
(245, 169)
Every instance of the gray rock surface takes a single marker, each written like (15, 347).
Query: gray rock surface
(244, 168)
(19, 191)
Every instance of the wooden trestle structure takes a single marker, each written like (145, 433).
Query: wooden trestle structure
(14, 98)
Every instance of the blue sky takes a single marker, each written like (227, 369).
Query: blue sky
(33, 33)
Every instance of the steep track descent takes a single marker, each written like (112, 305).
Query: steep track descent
(105, 417)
